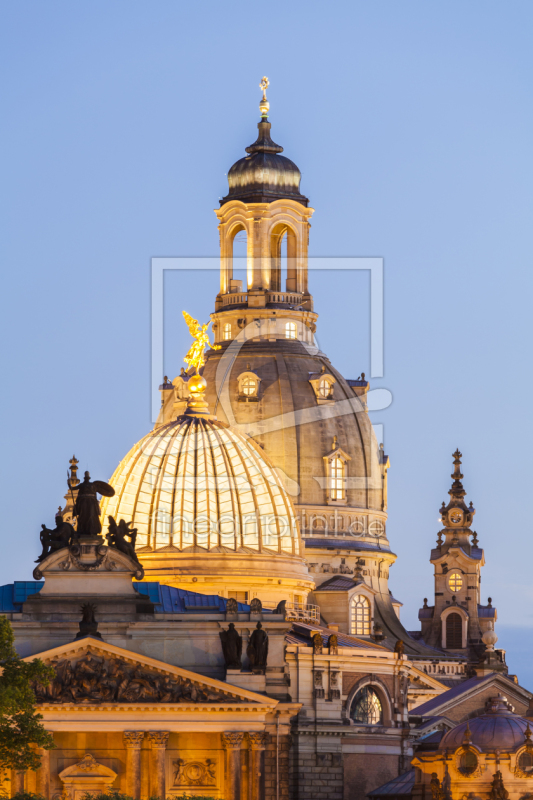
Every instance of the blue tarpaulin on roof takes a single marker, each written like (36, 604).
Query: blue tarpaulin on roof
(170, 600)
(167, 599)
(13, 595)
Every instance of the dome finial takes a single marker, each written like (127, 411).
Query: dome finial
(264, 105)
(196, 358)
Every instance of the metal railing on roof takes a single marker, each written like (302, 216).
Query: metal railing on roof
(298, 612)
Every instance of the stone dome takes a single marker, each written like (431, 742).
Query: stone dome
(498, 728)
(264, 175)
(206, 504)
(295, 432)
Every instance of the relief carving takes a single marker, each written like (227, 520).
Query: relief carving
(319, 687)
(95, 679)
(334, 687)
(201, 772)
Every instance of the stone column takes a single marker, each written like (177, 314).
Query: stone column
(43, 773)
(232, 741)
(258, 743)
(132, 743)
(17, 781)
(158, 741)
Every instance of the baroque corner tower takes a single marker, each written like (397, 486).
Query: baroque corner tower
(458, 622)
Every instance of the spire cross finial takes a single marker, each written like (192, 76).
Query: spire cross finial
(264, 105)
(265, 83)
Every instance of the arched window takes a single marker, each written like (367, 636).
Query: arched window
(290, 330)
(226, 331)
(525, 762)
(360, 615)
(455, 582)
(366, 707)
(454, 631)
(324, 388)
(336, 478)
(283, 248)
(468, 762)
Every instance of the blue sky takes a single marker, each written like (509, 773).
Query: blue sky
(412, 125)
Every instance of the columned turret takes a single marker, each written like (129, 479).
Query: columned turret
(458, 621)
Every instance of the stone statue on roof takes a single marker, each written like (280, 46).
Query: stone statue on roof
(87, 507)
(56, 538)
(231, 647)
(257, 650)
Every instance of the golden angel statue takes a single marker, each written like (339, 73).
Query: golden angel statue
(195, 357)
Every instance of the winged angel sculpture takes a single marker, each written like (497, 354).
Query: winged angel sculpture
(195, 357)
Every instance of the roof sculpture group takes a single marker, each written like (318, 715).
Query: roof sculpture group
(86, 514)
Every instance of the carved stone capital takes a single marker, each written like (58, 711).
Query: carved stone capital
(258, 741)
(158, 739)
(133, 739)
(232, 740)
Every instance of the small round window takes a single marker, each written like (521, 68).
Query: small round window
(468, 762)
(455, 582)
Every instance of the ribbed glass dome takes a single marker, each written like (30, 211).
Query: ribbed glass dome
(197, 485)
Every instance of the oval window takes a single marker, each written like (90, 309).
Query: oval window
(468, 762)
(525, 762)
(455, 582)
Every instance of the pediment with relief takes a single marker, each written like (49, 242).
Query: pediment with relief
(95, 673)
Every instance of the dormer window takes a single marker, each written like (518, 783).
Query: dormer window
(290, 330)
(226, 331)
(360, 615)
(248, 386)
(323, 383)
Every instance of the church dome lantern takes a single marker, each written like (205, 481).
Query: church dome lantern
(264, 175)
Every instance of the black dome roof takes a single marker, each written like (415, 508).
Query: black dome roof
(264, 175)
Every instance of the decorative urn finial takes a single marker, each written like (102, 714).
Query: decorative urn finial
(489, 639)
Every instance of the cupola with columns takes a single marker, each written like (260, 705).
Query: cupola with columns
(265, 202)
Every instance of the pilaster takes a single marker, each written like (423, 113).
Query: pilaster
(133, 742)
(42, 775)
(258, 742)
(232, 741)
(158, 742)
